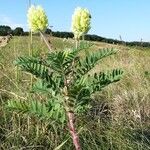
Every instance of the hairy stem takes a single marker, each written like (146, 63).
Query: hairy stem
(46, 41)
(76, 44)
(71, 116)
(31, 53)
(17, 69)
(75, 137)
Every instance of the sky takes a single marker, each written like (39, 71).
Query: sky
(129, 19)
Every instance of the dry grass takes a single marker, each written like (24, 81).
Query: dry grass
(120, 119)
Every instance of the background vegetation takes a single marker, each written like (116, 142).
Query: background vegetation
(5, 30)
(119, 120)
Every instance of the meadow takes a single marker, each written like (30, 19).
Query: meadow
(118, 120)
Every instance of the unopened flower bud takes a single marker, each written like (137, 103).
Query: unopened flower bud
(37, 19)
(81, 21)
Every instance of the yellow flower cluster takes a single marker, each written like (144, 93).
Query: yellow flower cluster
(37, 19)
(81, 21)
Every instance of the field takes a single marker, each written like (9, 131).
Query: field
(119, 119)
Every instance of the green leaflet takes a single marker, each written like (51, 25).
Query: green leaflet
(99, 81)
(52, 110)
(86, 64)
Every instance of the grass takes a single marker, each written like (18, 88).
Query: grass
(119, 120)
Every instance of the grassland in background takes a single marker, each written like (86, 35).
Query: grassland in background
(119, 120)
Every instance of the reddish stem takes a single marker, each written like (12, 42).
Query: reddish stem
(72, 130)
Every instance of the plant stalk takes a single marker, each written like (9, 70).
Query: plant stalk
(31, 52)
(76, 44)
(71, 125)
(17, 69)
(46, 41)
(71, 116)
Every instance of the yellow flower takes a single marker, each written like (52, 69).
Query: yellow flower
(37, 19)
(81, 21)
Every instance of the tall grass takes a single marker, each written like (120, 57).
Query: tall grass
(119, 120)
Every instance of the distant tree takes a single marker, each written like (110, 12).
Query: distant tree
(5, 30)
(18, 31)
(48, 31)
(63, 34)
(26, 33)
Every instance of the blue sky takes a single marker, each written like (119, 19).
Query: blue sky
(110, 18)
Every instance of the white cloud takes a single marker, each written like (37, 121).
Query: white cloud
(5, 20)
